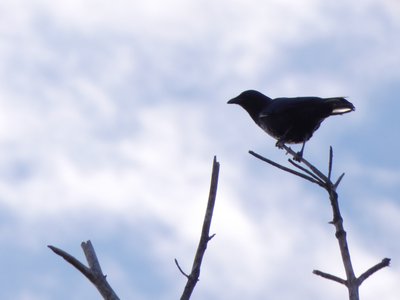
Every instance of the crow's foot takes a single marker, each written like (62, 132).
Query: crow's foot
(298, 156)
(280, 144)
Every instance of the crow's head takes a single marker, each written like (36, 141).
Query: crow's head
(252, 101)
(248, 97)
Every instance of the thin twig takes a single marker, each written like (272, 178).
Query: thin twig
(309, 165)
(330, 277)
(180, 269)
(211, 236)
(306, 171)
(384, 263)
(193, 277)
(284, 168)
(330, 163)
(337, 182)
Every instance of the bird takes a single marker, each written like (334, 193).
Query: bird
(290, 120)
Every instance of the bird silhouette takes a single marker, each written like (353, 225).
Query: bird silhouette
(290, 120)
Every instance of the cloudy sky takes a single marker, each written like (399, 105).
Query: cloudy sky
(111, 113)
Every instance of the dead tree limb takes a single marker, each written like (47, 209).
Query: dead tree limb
(95, 275)
(312, 174)
(93, 272)
(205, 237)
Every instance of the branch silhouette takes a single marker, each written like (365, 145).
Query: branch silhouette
(205, 237)
(93, 272)
(95, 275)
(310, 173)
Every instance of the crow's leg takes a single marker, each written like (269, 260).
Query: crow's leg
(280, 143)
(282, 140)
(299, 155)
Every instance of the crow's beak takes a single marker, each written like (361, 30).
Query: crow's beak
(234, 100)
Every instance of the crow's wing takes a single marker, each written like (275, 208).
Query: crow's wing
(297, 106)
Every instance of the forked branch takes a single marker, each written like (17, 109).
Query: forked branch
(312, 174)
(93, 272)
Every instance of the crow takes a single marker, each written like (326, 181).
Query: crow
(290, 120)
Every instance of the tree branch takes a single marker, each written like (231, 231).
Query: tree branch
(307, 172)
(314, 175)
(330, 277)
(93, 272)
(193, 277)
(330, 162)
(384, 263)
(304, 161)
(180, 269)
(284, 168)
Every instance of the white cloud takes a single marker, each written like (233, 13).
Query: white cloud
(114, 110)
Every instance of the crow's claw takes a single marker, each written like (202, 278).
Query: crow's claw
(298, 156)
(280, 144)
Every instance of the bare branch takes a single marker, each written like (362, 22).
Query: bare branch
(309, 165)
(73, 261)
(316, 176)
(330, 277)
(93, 273)
(330, 163)
(180, 269)
(193, 277)
(91, 257)
(306, 171)
(338, 181)
(384, 263)
(284, 168)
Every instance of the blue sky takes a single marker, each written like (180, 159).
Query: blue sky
(111, 113)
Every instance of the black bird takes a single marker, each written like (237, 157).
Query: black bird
(290, 120)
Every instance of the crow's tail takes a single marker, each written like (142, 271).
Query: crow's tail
(339, 105)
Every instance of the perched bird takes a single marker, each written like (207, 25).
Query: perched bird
(290, 120)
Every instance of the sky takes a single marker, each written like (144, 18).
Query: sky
(111, 114)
